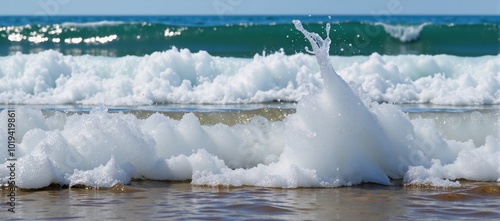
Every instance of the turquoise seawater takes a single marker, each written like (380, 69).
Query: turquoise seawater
(245, 36)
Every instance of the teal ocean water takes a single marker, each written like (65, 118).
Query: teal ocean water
(244, 36)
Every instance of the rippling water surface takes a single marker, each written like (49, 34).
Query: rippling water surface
(154, 200)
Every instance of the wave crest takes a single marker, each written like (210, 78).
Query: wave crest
(404, 33)
(92, 24)
(182, 76)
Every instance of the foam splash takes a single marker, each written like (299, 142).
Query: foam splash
(316, 153)
(337, 139)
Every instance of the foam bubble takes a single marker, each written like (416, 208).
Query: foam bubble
(101, 176)
(480, 164)
(35, 171)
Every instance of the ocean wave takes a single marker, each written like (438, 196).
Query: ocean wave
(181, 76)
(405, 33)
(93, 24)
(318, 146)
(101, 149)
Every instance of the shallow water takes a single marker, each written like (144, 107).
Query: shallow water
(155, 200)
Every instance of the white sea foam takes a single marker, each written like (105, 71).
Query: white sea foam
(337, 137)
(180, 76)
(102, 149)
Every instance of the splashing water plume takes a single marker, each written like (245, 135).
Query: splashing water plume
(332, 140)
(339, 137)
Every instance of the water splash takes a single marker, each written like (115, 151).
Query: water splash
(332, 140)
(339, 119)
(321, 48)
